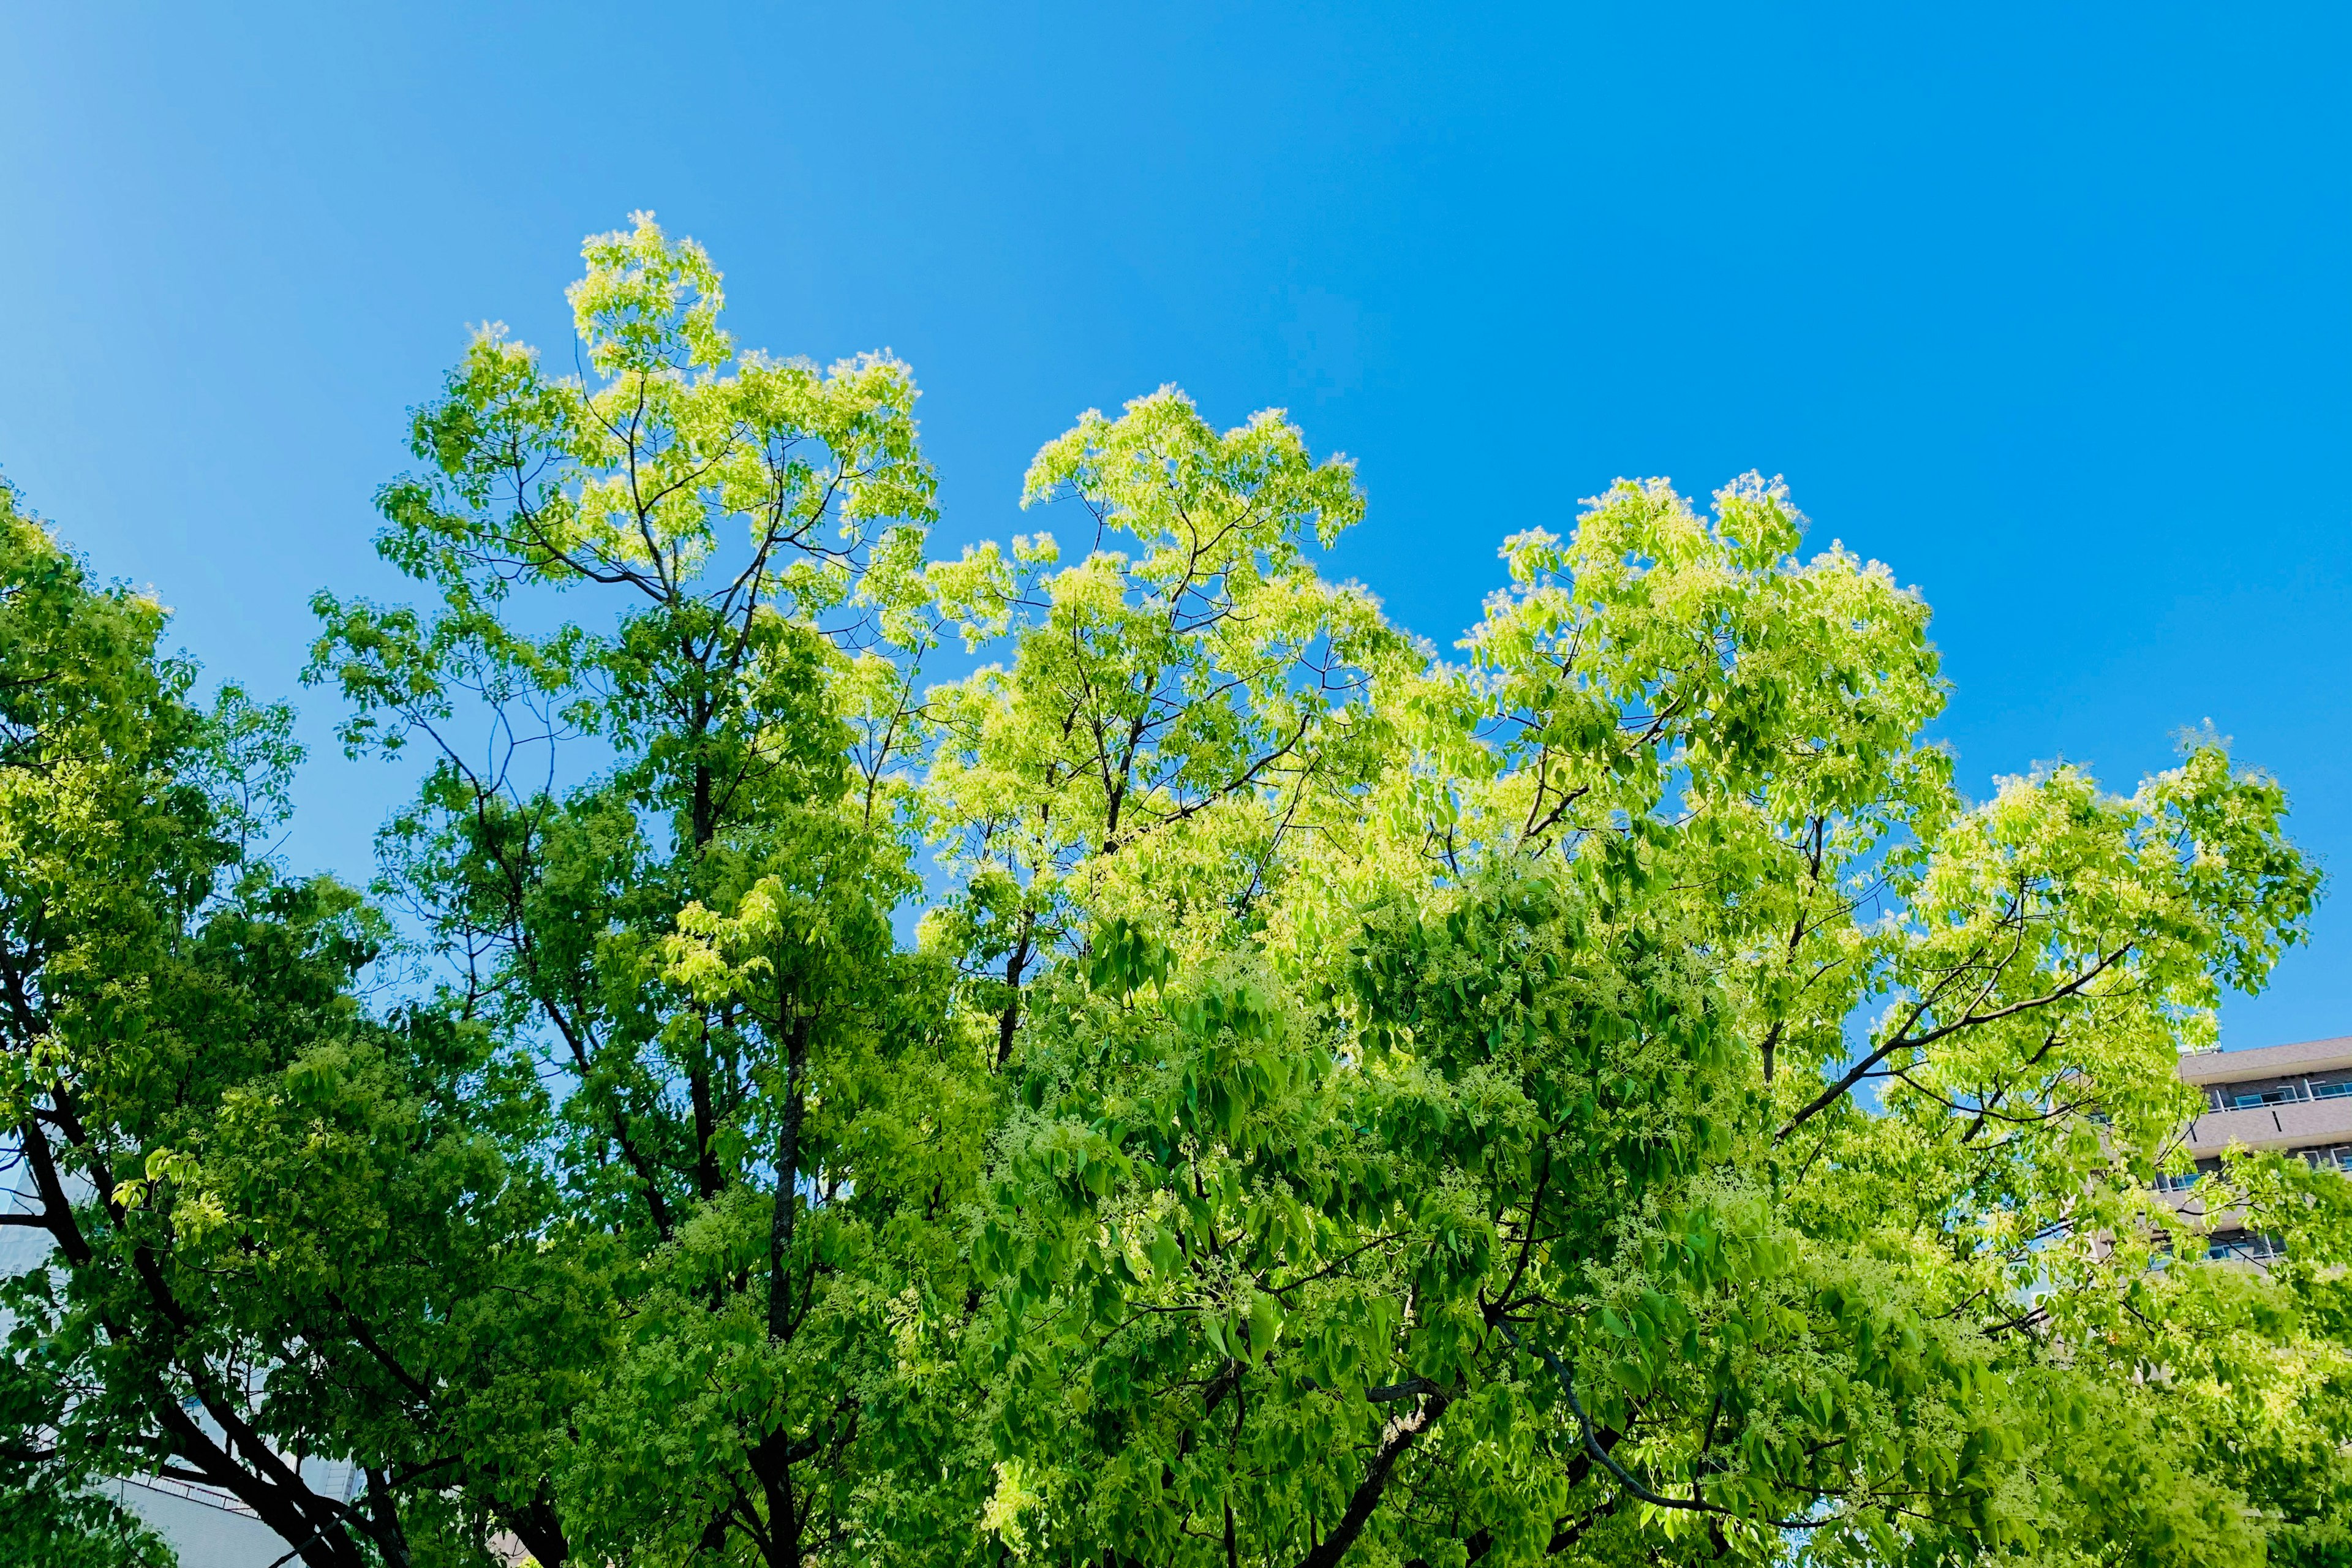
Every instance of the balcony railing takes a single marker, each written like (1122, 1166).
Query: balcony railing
(2243, 1249)
(2253, 1097)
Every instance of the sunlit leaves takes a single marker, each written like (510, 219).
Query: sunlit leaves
(1208, 1083)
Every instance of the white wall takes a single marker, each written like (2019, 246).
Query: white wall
(204, 1536)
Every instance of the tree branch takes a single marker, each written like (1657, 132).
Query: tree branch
(1861, 1070)
(1566, 1377)
(1396, 1438)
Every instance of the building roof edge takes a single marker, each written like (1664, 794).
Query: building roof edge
(2267, 1061)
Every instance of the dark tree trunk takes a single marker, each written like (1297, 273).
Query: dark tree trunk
(772, 1461)
(706, 1119)
(540, 1531)
(1010, 1020)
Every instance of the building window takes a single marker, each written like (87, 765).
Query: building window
(2249, 1096)
(2243, 1247)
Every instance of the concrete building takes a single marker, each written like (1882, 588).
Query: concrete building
(208, 1529)
(2294, 1099)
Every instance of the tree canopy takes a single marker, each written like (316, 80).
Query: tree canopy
(1106, 1050)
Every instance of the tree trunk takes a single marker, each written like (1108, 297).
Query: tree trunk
(706, 1118)
(788, 1169)
(540, 1531)
(1010, 1020)
(772, 1460)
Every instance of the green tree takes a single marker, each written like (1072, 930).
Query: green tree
(1483, 1173)
(62, 1522)
(255, 1196)
(1207, 1081)
(765, 1119)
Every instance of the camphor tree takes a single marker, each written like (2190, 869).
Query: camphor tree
(1199, 1079)
(767, 1113)
(77, 675)
(253, 1201)
(1481, 1173)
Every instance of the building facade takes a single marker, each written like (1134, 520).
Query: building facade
(2296, 1099)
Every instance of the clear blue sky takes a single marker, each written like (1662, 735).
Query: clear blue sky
(2049, 307)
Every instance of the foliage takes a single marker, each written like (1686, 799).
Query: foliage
(72, 1526)
(1206, 1081)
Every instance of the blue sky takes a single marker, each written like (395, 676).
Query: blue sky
(2049, 307)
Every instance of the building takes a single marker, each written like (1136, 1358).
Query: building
(208, 1528)
(2294, 1099)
